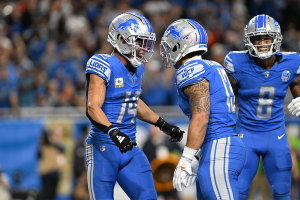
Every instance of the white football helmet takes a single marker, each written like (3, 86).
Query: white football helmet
(181, 38)
(137, 32)
(263, 25)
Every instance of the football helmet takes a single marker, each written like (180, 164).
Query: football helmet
(263, 25)
(182, 37)
(137, 33)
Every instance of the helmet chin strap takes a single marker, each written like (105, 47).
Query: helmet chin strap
(134, 62)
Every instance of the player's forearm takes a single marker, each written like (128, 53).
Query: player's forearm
(197, 130)
(144, 113)
(97, 115)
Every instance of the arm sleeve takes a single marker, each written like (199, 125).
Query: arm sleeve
(99, 66)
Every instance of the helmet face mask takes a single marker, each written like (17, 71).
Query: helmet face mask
(263, 25)
(130, 33)
(181, 38)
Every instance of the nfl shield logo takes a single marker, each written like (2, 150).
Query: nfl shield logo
(267, 74)
(132, 80)
(241, 135)
(102, 148)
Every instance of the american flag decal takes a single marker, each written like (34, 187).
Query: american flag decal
(190, 39)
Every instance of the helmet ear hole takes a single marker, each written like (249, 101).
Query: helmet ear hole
(174, 48)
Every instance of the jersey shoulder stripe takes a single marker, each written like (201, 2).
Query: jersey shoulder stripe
(230, 58)
(99, 65)
(191, 72)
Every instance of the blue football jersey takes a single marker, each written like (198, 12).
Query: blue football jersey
(222, 117)
(261, 92)
(122, 93)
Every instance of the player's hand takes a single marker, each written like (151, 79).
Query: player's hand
(294, 107)
(182, 176)
(122, 140)
(173, 131)
(189, 179)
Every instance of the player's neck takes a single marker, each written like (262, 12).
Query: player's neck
(266, 64)
(125, 62)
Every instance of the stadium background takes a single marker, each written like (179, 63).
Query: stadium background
(44, 45)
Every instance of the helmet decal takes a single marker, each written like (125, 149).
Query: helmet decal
(129, 23)
(175, 34)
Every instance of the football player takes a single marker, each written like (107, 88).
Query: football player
(113, 88)
(206, 98)
(260, 78)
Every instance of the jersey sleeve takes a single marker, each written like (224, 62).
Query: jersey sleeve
(190, 74)
(99, 66)
(229, 66)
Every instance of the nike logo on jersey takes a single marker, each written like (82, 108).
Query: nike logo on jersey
(279, 137)
(120, 138)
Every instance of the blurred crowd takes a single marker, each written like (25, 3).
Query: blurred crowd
(45, 44)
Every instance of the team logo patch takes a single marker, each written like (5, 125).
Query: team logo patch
(285, 75)
(241, 135)
(102, 148)
(267, 74)
(119, 83)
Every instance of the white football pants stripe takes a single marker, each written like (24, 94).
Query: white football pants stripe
(90, 170)
(219, 161)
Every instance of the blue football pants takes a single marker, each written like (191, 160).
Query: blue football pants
(106, 165)
(274, 148)
(221, 162)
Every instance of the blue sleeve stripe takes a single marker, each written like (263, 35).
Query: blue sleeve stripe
(95, 68)
(99, 73)
(228, 58)
(193, 81)
(100, 60)
(187, 80)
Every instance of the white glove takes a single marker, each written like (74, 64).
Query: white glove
(188, 179)
(294, 107)
(182, 176)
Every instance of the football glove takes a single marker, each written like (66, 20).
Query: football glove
(189, 178)
(184, 174)
(122, 140)
(294, 107)
(173, 131)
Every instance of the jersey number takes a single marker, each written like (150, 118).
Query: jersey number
(267, 102)
(132, 106)
(228, 89)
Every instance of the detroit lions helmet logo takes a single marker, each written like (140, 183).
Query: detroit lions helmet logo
(175, 34)
(129, 23)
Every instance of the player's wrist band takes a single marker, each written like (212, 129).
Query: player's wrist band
(189, 153)
(111, 128)
(160, 122)
(187, 156)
